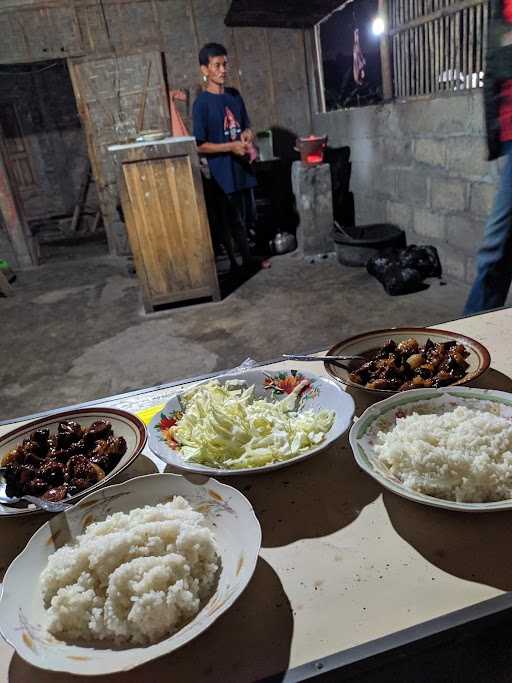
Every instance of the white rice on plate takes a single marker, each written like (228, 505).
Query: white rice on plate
(463, 455)
(135, 577)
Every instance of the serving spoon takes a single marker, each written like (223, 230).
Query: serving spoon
(46, 505)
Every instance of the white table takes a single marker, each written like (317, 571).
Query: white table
(347, 569)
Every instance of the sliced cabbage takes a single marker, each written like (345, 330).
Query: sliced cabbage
(226, 425)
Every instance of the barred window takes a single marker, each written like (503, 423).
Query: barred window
(431, 47)
(437, 45)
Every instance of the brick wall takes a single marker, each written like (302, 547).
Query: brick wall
(421, 165)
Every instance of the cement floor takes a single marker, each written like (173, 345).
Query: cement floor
(75, 330)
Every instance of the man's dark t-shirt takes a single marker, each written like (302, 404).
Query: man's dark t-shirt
(219, 119)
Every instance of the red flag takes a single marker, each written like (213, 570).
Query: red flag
(359, 60)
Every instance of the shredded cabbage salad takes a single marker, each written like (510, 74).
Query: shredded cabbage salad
(226, 425)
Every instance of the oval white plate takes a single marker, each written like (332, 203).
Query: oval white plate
(22, 616)
(123, 423)
(382, 416)
(321, 393)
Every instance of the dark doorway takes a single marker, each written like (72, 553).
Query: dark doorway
(46, 151)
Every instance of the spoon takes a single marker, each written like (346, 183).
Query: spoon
(289, 356)
(46, 505)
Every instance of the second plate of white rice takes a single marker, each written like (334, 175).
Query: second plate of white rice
(449, 448)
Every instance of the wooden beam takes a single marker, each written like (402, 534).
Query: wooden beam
(320, 70)
(15, 224)
(385, 54)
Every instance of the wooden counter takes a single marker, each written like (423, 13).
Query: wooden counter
(346, 570)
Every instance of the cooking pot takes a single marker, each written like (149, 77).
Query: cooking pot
(283, 242)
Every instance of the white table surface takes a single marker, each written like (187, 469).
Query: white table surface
(343, 562)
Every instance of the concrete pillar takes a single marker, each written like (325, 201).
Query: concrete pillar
(313, 196)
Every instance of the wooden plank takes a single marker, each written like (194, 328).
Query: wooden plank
(400, 42)
(319, 66)
(167, 225)
(438, 54)
(5, 287)
(485, 26)
(457, 49)
(421, 43)
(82, 196)
(11, 214)
(478, 42)
(385, 57)
(471, 41)
(465, 45)
(431, 53)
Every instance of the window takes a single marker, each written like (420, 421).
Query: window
(345, 37)
(435, 46)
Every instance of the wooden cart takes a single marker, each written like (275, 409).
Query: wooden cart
(165, 214)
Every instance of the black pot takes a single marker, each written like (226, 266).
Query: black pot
(354, 246)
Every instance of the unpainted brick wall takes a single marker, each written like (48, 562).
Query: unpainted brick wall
(421, 164)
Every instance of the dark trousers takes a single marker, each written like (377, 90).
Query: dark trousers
(230, 217)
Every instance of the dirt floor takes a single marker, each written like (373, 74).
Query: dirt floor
(75, 329)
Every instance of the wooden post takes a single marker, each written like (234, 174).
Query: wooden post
(385, 57)
(14, 220)
(320, 69)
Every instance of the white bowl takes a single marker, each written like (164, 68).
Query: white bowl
(368, 343)
(22, 616)
(123, 424)
(320, 394)
(382, 417)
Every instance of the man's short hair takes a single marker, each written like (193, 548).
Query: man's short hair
(209, 51)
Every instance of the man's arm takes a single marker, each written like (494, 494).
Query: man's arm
(237, 147)
(247, 135)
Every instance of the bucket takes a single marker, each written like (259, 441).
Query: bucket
(354, 246)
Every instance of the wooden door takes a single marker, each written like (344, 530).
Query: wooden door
(18, 153)
(116, 97)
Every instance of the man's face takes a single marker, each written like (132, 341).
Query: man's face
(216, 70)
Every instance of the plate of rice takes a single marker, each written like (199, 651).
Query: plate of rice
(449, 448)
(251, 421)
(132, 572)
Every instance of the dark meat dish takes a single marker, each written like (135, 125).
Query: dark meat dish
(398, 367)
(67, 462)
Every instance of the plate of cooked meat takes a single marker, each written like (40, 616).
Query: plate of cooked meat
(400, 359)
(62, 457)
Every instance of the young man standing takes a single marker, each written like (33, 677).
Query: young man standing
(224, 136)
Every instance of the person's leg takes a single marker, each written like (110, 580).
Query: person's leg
(494, 259)
(238, 228)
(224, 224)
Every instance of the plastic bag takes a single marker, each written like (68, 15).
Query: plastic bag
(424, 258)
(402, 271)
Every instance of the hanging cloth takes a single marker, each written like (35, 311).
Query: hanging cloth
(178, 127)
(359, 60)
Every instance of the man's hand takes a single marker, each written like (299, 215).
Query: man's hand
(247, 136)
(239, 148)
